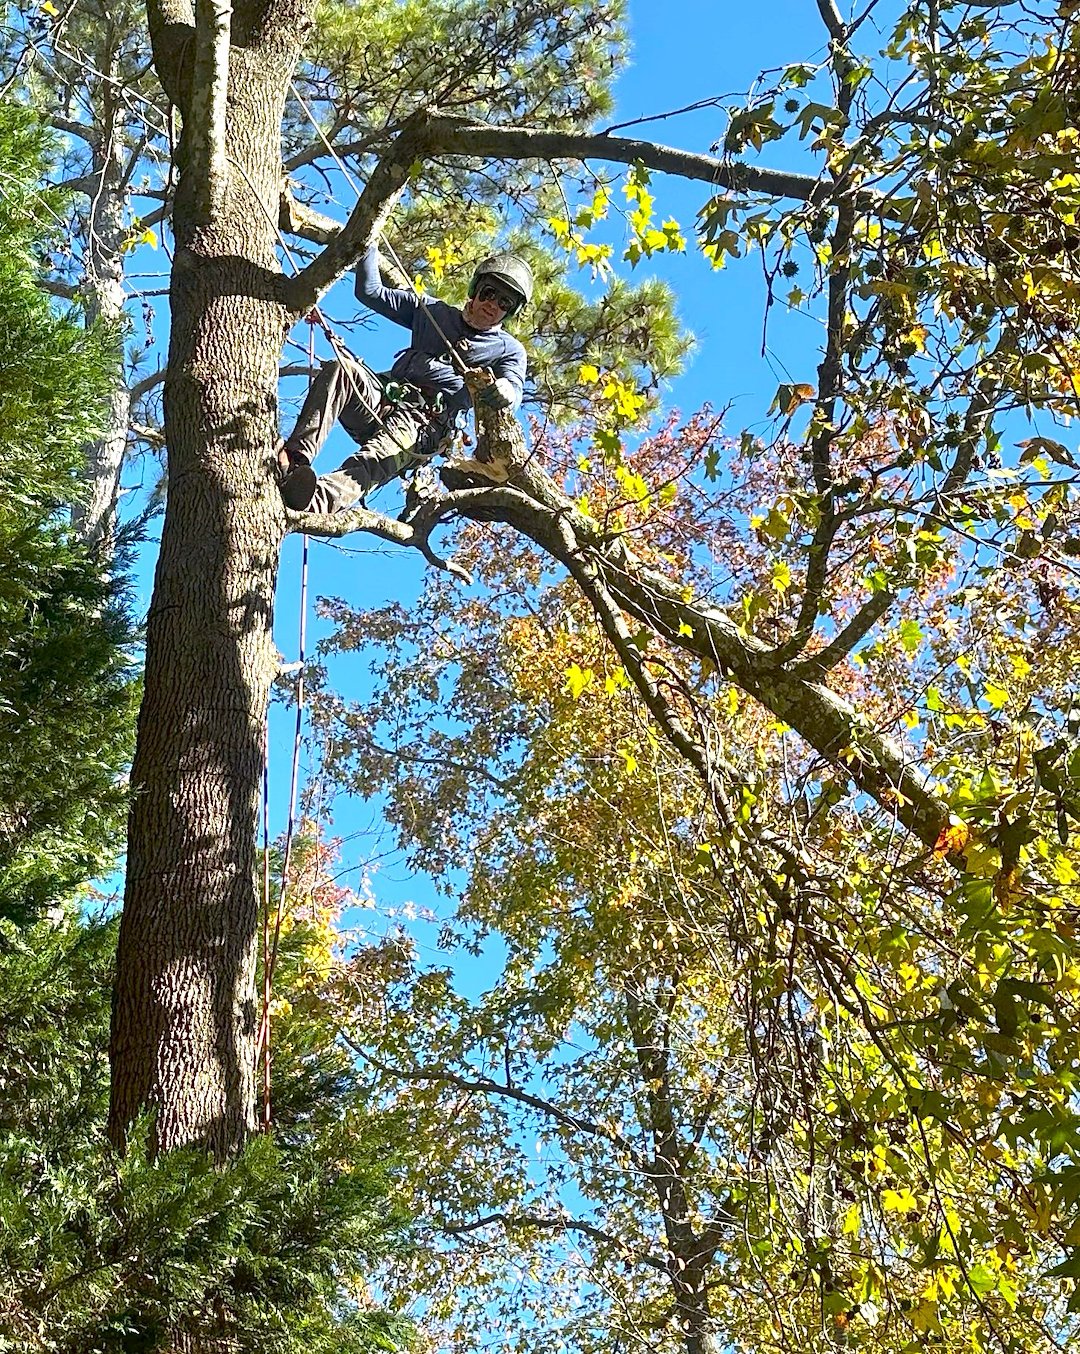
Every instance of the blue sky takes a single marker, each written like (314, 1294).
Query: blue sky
(683, 51)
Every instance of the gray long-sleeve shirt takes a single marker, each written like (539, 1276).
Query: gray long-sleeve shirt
(426, 362)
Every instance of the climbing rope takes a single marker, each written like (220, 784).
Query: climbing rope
(272, 934)
(455, 356)
(263, 1048)
(271, 931)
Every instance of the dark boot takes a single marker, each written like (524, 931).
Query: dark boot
(298, 480)
(298, 487)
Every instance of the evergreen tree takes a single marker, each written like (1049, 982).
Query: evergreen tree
(66, 681)
(102, 1254)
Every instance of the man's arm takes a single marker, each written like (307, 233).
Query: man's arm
(509, 373)
(393, 303)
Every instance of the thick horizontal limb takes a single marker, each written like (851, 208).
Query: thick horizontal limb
(460, 136)
(429, 134)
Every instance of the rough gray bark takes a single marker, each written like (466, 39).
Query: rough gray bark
(184, 1022)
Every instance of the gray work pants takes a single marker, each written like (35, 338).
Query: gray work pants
(349, 392)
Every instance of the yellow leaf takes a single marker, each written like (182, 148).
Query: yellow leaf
(588, 373)
(996, 696)
(788, 398)
(916, 335)
(982, 859)
(898, 1200)
(577, 679)
(925, 1317)
(952, 838)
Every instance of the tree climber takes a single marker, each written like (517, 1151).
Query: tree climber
(404, 417)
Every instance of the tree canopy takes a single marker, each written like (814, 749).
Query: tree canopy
(749, 762)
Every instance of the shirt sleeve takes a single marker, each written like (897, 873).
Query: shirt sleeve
(509, 370)
(393, 303)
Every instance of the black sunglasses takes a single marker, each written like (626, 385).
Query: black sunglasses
(487, 291)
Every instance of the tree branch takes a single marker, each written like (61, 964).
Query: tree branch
(316, 148)
(64, 290)
(533, 504)
(414, 533)
(486, 1086)
(82, 130)
(87, 184)
(525, 1220)
(461, 136)
(833, 22)
(154, 436)
(155, 217)
(381, 192)
(860, 624)
(295, 218)
(146, 384)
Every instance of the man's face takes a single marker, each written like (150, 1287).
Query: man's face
(489, 306)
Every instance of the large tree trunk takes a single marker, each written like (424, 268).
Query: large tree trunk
(184, 1020)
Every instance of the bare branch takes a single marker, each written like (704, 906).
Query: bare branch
(317, 148)
(82, 130)
(155, 217)
(486, 1086)
(297, 219)
(860, 625)
(144, 432)
(833, 22)
(85, 183)
(64, 290)
(523, 1221)
(460, 136)
(146, 384)
(414, 534)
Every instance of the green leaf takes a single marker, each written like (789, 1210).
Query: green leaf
(911, 635)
